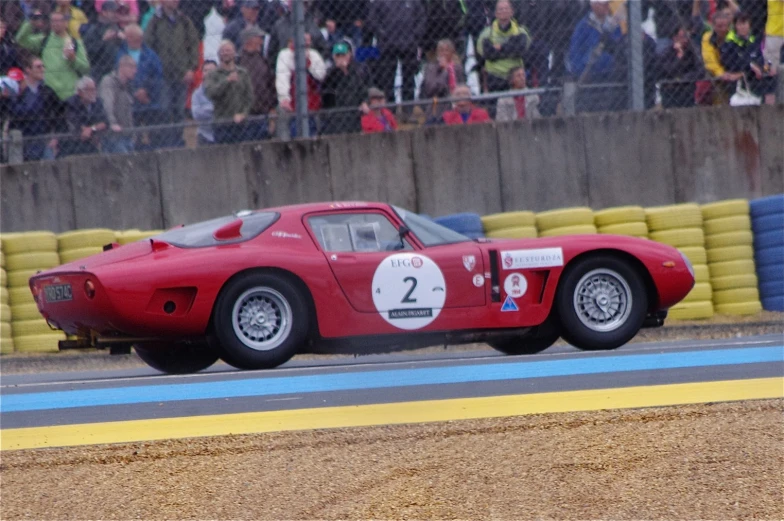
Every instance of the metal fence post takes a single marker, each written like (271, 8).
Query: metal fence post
(637, 73)
(300, 60)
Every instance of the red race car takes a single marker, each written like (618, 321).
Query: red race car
(258, 287)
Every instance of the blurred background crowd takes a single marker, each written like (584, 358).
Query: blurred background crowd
(115, 76)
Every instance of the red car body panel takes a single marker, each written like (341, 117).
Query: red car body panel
(134, 282)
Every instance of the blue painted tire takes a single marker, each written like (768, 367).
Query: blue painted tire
(773, 303)
(772, 273)
(772, 288)
(770, 239)
(462, 222)
(767, 223)
(766, 205)
(770, 256)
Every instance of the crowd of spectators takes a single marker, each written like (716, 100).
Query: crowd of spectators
(116, 76)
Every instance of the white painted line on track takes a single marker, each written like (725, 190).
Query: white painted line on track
(286, 371)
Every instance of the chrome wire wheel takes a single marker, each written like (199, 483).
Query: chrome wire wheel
(261, 318)
(602, 300)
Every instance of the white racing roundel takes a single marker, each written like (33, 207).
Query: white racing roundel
(409, 290)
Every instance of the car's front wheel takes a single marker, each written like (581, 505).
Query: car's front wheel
(260, 321)
(525, 345)
(601, 303)
(177, 358)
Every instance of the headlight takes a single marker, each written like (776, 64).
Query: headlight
(688, 263)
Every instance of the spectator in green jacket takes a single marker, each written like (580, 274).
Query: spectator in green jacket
(230, 89)
(64, 57)
(502, 46)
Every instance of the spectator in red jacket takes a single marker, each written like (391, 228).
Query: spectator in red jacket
(377, 118)
(464, 112)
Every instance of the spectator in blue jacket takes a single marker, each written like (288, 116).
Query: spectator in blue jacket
(741, 52)
(147, 85)
(592, 59)
(35, 114)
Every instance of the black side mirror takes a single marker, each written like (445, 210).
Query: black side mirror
(402, 231)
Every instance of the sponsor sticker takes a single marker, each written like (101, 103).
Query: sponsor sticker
(409, 290)
(469, 261)
(515, 285)
(479, 280)
(527, 259)
(286, 235)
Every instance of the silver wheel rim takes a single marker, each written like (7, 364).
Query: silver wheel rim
(602, 300)
(261, 318)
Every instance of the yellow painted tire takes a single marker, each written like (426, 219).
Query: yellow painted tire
(696, 254)
(92, 238)
(129, 237)
(498, 221)
(20, 295)
(25, 312)
(737, 267)
(749, 280)
(701, 291)
(6, 345)
(669, 217)
(14, 243)
(31, 327)
(3, 277)
(730, 253)
(35, 260)
(78, 254)
(6, 331)
(635, 229)
(733, 296)
(2, 259)
(726, 208)
(701, 273)
(739, 308)
(18, 278)
(519, 232)
(5, 313)
(691, 310)
(736, 223)
(569, 230)
(562, 218)
(724, 240)
(4, 296)
(38, 343)
(619, 215)
(679, 237)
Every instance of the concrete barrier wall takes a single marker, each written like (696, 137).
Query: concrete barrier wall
(598, 160)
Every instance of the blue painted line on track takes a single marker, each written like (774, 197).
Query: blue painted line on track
(386, 379)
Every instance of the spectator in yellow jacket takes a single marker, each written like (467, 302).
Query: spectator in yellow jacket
(774, 33)
(711, 56)
(73, 15)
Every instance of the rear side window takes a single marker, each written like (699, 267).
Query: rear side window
(201, 235)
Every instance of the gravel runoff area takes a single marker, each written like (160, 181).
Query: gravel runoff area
(715, 461)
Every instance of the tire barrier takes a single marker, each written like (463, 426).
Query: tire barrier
(510, 225)
(78, 244)
(680, 225)
(622, 220)
(729, 239)
(566, 221)
(466, 223)
(767, 223)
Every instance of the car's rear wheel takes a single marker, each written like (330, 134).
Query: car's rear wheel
(176, 358)
(260, 321)
(601, 303)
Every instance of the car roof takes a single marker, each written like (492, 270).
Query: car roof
(304, 208)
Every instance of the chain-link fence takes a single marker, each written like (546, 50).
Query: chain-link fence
(115, 76)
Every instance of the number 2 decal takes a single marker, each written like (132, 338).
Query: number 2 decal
(407, 299)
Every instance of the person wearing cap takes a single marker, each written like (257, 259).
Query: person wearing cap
(595, 41)
(231, 92)
(377, 118)
(464, 111)
(262, 77)
(249, 10)
(344, 87)
(102, 40)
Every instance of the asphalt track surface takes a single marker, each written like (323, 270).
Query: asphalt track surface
(83, 408)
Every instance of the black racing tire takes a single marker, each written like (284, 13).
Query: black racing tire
(525, 345)
(601, 303)
(176, 358)
(260, 321)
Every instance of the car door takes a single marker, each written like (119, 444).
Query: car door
(380, 273)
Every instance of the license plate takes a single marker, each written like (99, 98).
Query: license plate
(58, 292)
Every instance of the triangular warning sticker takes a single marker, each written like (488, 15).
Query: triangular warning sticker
(509, 305)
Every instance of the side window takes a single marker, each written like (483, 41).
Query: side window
(356, 232)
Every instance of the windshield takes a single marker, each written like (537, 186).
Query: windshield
(200, 235)
(429, 232)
